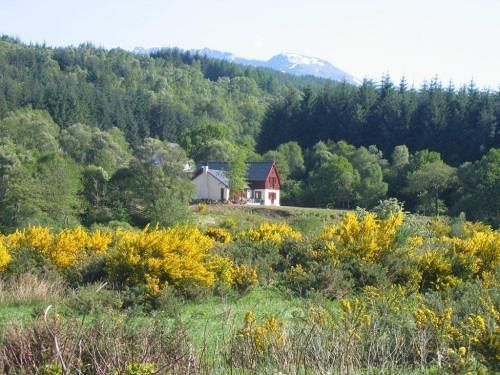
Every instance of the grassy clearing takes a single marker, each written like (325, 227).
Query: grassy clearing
(306, 220)
(207, 322)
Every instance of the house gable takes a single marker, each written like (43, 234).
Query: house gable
(260, 175)
(273, 179)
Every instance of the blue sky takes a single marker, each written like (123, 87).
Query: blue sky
(456, 40)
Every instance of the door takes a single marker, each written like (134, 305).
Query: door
(222, 194)
(272, 197)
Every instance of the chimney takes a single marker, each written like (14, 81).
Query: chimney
(205, 169)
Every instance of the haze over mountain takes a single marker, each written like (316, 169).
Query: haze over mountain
(292, 63)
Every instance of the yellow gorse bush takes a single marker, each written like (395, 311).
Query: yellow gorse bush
(440, 324)
(4, 257)
(479, 252)
(177, 256)
(436, 270)
(244, 277)
(264, 336)
(223, 268)
(366, 238)
(271, 232)
(453, 259)
(64, 249)
(220, 235)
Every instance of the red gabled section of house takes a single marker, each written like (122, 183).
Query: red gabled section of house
(270, 181)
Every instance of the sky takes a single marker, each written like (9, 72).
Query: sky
(453, 40)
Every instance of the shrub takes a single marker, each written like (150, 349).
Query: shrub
(109, 344)
(263, 335)
(366, 239)
(4, 257)
(388, 207)
(436, 270)
(244, 277)
(219, 235)
(271, 232)
(64, 249)
(178, 256)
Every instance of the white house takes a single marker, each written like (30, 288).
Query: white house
(263, 183)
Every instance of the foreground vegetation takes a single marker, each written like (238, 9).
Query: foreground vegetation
(365, 292)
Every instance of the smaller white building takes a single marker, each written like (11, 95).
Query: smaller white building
(211, 183)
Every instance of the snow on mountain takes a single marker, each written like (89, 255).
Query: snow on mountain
(306, 65)
(291, 63)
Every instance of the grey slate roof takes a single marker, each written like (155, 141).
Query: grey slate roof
(257, 170)
(219, 175)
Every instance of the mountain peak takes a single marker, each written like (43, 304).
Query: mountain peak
(298, 64)
(299, 59)
(289, 62)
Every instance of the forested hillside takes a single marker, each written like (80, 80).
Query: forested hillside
(99, 136)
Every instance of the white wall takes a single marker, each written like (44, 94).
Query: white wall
(267, 201)
(264, 193)
(208, 187)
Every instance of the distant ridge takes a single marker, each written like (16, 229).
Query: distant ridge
(291, 63)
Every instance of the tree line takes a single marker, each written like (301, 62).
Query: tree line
(461, 124)
(338, 174)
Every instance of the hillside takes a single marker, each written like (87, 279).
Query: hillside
(103, 115)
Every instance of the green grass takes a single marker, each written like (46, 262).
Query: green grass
(209, 321)
(17, 313)
(306, 220)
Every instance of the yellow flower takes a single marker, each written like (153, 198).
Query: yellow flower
(265, 335)
(4, 257)
(271, 232)
(367, 238)
(219, 234)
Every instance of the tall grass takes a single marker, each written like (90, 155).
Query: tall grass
(29, 289)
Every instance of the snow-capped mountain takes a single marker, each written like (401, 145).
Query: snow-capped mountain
(292, 63)
(305, 65)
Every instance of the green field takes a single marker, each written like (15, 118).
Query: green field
(309, 220)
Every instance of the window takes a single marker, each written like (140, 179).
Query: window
(258, 195)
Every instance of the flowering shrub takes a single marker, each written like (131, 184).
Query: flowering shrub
(244, 277)
(64, 249)
(264, 336)
(436, 270)
(366, 238)
(454, 259)
(220, 235)
(223, 269)
(4, 257)
(354, 317)
(479, 252)
(271, 232)
(157, 257)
